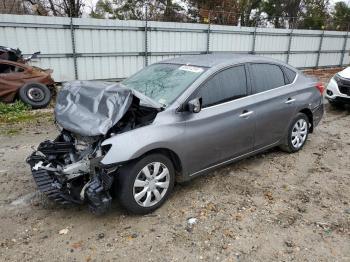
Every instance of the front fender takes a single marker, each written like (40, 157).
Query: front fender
(135, 143)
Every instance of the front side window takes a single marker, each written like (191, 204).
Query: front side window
(266, 77)
(226, 85)
(164, 82)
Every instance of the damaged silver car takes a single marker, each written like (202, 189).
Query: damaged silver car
(173, 120)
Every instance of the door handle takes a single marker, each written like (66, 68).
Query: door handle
(290, 101)
(246, 113)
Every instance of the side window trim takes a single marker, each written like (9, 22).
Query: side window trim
(248, 84)
(286, 75)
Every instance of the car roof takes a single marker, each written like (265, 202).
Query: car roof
(213, 60)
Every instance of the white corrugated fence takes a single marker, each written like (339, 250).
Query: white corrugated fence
(86, 48)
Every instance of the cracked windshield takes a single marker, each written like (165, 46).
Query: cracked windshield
(164, 82)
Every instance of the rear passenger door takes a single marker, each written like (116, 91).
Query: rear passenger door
(274, 103)
(224, 128)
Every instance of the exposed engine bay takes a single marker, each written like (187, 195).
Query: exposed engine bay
(68, 169)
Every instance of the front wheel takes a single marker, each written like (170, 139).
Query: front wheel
(297, 134)
(144, 185)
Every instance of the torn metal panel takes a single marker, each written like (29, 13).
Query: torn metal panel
(92, 108)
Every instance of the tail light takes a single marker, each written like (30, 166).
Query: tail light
(320, 87)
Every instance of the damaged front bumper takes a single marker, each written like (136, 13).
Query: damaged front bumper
(69, 169)
(68, 174)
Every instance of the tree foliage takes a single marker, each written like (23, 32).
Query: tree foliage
(309, 14)
(166, 10)
(341, 16)
(315, 14)
(72, 8)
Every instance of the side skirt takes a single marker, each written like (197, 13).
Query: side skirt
(230, 161)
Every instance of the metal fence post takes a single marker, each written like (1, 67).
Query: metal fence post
(319, 50)
(208, 34)
(290, 42)
(73, 48)
(146, 36)
(344, 47)
(254, 37)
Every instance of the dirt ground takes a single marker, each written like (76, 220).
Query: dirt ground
(271, 207)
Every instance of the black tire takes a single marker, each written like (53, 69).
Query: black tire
(35, 94)
(126, 178)
(288, 146)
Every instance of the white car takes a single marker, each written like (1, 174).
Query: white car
(338, 89)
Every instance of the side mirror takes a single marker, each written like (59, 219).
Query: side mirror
(195, 105)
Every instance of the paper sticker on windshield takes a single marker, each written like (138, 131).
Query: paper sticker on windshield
(192, 69)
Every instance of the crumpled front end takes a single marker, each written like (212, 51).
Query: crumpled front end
(68, 169)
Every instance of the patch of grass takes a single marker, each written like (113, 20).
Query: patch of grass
(16, 112)
(17, 118)
(12, 132)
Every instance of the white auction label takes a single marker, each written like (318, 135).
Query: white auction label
(192, 69)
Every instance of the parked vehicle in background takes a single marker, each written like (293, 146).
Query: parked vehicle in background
(32, 85)
(15, 55)
(338, 89)
(11, 54)
(173, 120)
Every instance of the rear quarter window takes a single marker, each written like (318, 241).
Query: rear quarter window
(290, 75)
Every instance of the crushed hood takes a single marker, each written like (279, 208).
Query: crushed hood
(91, 108)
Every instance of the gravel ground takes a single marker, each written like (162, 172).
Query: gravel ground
(271, 207)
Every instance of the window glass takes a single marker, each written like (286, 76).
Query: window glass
(164, 82)
(5, 68)
(266, 77)
(226, 85)
(290, 75)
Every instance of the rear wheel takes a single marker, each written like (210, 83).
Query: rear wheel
(144, 185)
(297, 134)
(35, 94)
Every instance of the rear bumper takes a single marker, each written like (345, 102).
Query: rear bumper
(317, 113)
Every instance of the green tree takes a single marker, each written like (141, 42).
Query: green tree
(230, 12)
(315, 14)
(102, 9)
(281, 13)
(72, 8)
(250, 11)
(163, 10)
(341, 16)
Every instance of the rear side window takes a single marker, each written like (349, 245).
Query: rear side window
(266, 77)
(5, 68)
(290, 75)
(226, 85)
